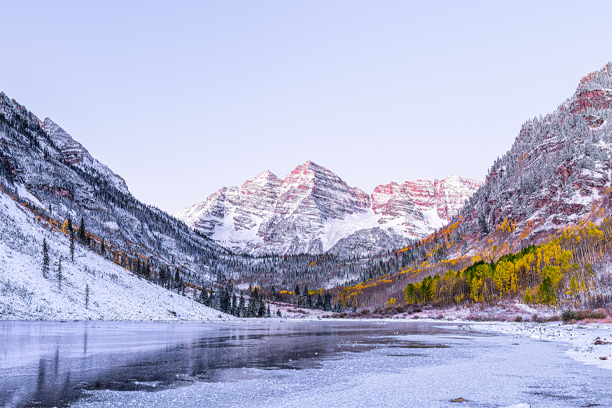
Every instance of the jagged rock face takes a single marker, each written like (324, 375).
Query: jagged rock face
(312, 211)
(245, 209)
(436, 202)
(309, 198)
(74, 153)
(332, 195)
(446, 196)
(557, 168)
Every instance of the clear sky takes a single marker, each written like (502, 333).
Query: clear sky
(182, 98)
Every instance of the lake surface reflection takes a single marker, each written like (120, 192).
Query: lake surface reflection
(54, 364)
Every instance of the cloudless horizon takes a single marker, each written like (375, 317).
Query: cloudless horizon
(183, 98)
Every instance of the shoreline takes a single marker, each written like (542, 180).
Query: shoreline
(589, 343)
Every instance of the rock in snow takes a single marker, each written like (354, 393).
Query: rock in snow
(314, 211)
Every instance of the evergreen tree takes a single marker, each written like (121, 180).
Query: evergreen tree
(59, 274)
(234, 305)
(82, 235)
(227, 300)
(327, 303)
(278, 313)
(219, 276)
(307, 299)
(87, 296)
(319, 304)
(45, 265)
(195, 293)
(212, 300)
(262, 309)
(103, 248)
(220, 296)
(241, 306)
(268, 312)
(273, 292)
(251, 309)
(177, 278)
(71, 243)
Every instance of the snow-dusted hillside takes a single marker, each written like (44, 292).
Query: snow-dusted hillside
(41, 158)
(558, 167)
(114, 293)
(74, 153)
(313, 211)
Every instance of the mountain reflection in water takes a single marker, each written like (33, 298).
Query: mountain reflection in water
(52, 363)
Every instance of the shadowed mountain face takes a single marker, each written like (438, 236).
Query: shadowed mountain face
(312, 211)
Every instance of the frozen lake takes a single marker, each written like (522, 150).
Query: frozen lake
(286, 364)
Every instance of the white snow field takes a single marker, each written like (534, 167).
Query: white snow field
(114, 292)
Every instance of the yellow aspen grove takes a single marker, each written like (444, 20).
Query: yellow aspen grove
(65, 228)
(559, 272)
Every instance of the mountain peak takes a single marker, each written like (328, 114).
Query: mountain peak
(266, 176)
(313, 209)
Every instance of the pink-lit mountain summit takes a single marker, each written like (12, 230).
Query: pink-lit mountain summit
(314, 211)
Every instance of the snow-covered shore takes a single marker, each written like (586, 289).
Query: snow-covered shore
(587, 343)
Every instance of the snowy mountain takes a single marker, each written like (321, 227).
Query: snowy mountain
(557, 172)
(409, 211)
(41, 161)
(314, 211)
(48, 178)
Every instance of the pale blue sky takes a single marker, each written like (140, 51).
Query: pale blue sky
(182, 98)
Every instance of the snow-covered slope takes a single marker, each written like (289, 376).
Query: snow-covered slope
(42, 160)
(74, 153)
(558, 167)
(312, 210)
(114, 293)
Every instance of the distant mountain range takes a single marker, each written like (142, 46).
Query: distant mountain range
(557, 174)
(314, 211)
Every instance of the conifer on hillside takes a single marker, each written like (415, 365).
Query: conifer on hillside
(45, 264)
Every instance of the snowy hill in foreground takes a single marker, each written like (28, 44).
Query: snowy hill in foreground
(314, 211)
(115, 293)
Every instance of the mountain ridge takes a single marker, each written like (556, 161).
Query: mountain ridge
(557, 169)
(315, 209)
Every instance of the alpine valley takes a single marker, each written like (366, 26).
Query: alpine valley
(76, 244)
